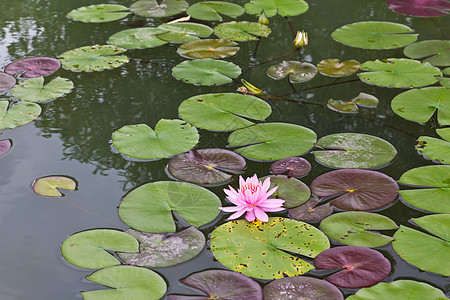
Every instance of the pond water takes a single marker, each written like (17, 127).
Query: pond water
(72, 135)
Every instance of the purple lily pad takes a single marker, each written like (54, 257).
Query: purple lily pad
(310, 212)
(419, 8)
(221, 284)
(295, 166)
(299, 287)
(5, 145)
(6, 81)
(360, 189)
(33, 67)
(361, 266)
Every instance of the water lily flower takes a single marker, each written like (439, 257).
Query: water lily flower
(251, 88)
(263, 18)
(252, 199)
(301, 40)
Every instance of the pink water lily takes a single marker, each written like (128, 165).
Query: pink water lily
(251, 198)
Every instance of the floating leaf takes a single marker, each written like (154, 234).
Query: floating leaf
(86, 249)
(206, 71)
(223, 112)
(206, 166)
(5, 145)
(438, 52)
(294, 166)
(361, 266)
(419, 8)
(34, 90)
(184, 32)
(366, 100)
(332, 67)
(444, 81)
(20, 114)
(374, 35)
(436, 149)
(169, 138)
(48, 186)
(291, 190)
(33, 67)
(93, 58)
(284, 8)
(353, 150)
(342, 106)
(358, 228)
(262, 250)
(6, 81)
(149, 207)
(137, 38)
(99, 13)
(212, 10)
(151, 8)
(310, 212)
(208, 48)
(298, 71)
(241, 31)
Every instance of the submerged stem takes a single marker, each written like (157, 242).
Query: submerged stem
(90, 212)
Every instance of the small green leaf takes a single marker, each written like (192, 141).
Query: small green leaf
(436, 51)
(206, 72)
(333, 68)
(208, 48)
(20, 114)
(99, 13)
(284, 8)
(212, 10)
(48, 186)
(298, 71)
(241, 31)
(137, 38)
(291, 190)
(34, 90)
(165, 8)
(184, 32)
(436, 149)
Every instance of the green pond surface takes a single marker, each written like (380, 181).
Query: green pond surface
(72, 135)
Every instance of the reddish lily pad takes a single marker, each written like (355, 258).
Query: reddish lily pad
(334, 68)
(419, 8)
(6, 81)
(48, 186)
(294, 166)
(33, 67)
(310, 212)
(361, 266)
(291, 190)
(5, 145)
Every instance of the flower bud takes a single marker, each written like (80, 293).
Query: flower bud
(263, 18)
(252, 89)
(301, 40)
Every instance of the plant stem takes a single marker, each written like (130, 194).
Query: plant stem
(329, 84)
(290, 26)
(292, 86)
(90, 212)
(256, 49)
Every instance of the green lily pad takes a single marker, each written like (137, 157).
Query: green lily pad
(298, 71)
(427, 252)
(99, 13)
(184, 32)
(438, 52)
(223, 112)
(310, 212)
(291, 190)
(208, 48)
(86, 249)
(157, 250)
(6, 81)
(213, 10)
(34, 90)
(419, 105)
(149, 207)
(436, 197)
(137, 38)
(20, 114)
(128, 283)
(262, 250)
(357, 228)
(48, 186)
(241, 31)
(272, 141)
(165, 8)
(170, 137)
(374, 35)
(399, 73)
(206, 71)
(93, 58)
(284, 8)
(332, 67)
(436, 149)
(366, 100)
(445, 82)
(342, 106)
(353, 150)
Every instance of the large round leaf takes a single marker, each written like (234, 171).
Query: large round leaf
(6, 81)
(34, 90)
(374, 35)
(149, 207)
(294, 166)
(208, 48)
(158, 9)
(358, 228)
(399, 73)
(332, 67)
(436, 197)
(241, 31)
(212, 10)
(206, 71)
(427, 252)
(291, 190)
(99, 13)
(419, 105)
(223, 112)
(284, 8)
(436, 149)
(298, 71)
(86, 249)
(272, 141)
(438, 52)
(93, 58)
(262, 250)
(354, 150)
(310, 212)
(170, 137)
(49, 186)
(137, 38)
(20, 114)
(184, 32)
(419, 8)
(5, 145)
(33, 67)
(128, 283)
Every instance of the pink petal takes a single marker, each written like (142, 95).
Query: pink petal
(250, 216)
(236, 215)
(229, 208)
(272, 203)
(269, 193)
(271, 209)
(231, 192)
(261, 215)
(266, 184)
(241, 182)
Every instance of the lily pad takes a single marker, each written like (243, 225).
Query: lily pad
(299, 287)
(361, 267)
(34, 90)
(284, 8)
(93, 58)
(20, 114)
(86, 249)
(48, 186)
(128, 283)
(99, 13)
(436, 149)
(353, 150)
(206, 71)
(297, 71)
(445, 81)
(223, 112)
(149, 207)
(206, 166)
(241, 31)
(436, 197)
(375, 35)
(5, 145)
(165, 8)
(438, 52)
(208, 48)
(137, 38)
(213, 10)
(332, 67)
(169, 138)
(157, 250)
(419, 105)
(6, 81)
(358, 228)
(366, 100)
(342, 106)
(427, 252)
(310, 212)
(33, 67)
(272, 141)
(291, 190)
(419, 8)
(184, 32)
(262, 250)
(294, 166)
